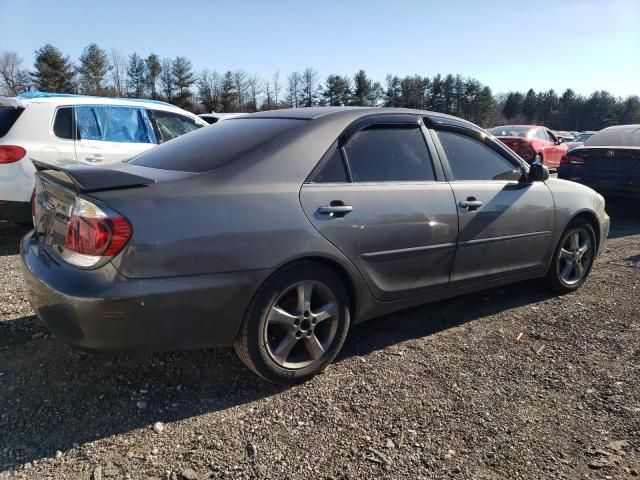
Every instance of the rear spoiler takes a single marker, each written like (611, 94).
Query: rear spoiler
(86, 178)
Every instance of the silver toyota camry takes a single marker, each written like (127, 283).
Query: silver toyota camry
(274, 232)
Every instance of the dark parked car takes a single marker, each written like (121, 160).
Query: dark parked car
(609, 162)
(273, 232)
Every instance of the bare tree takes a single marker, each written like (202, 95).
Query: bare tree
(309, 87)
(268, 96)
(14, 78)
(210, 90)
(277, 87)
(241, 85)
(294, 81)
(118, 64)
(254, 87)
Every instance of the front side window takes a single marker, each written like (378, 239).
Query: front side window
(541, 134)
(383, 153)
(172, 125)
(471, 159)
(111, 123)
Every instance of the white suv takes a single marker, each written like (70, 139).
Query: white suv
(62, 129)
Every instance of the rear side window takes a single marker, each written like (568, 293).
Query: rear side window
(111, 123)
(172, 125)
(331, 167)
(8, 116)
(470, 159)
(389, 154)
(63, 123)
(212, 148)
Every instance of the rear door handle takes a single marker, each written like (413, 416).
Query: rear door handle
(470, 204)
(335, 209)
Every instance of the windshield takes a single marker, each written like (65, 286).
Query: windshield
(582, 137)
(623, 136)
(511, 131)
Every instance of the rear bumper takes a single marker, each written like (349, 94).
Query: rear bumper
(17, 212)
(103, 310)
(609, 184)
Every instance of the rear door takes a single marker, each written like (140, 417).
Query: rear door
(505, 225)
(378, 196)
(111, 133)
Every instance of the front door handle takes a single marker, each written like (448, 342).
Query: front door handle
(94, 158)
(335, 209)
(470, 204)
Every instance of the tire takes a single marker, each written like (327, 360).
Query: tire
(561, 277)
(283, 338)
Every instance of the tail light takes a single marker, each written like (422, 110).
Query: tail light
(572, 160)
(11, 153)
(93, 235)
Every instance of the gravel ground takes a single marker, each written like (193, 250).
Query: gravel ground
(508, 383)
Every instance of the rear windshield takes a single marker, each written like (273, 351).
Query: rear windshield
(212, 147)
(626, 136)
(8, 116)
(510, 131)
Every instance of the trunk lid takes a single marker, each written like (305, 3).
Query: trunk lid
(58, 188)
(606, 159)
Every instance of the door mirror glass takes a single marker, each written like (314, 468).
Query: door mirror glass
(538, 173)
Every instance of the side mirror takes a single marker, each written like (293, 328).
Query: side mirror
(538, 173)
(559, 140)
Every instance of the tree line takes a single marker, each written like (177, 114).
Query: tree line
(111, 73)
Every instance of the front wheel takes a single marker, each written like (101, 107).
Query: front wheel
(573, 258)
(296, 324)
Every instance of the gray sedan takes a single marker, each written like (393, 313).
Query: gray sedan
(274, 232)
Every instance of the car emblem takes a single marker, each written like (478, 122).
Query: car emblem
(610, 153)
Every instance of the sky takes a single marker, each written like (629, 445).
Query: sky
(512, 45)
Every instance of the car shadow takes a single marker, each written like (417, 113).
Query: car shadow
(10, 236)
(55, 397)
(625, 220)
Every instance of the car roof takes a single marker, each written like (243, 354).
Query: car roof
(518, 126)
(312, 113)
(28, 98)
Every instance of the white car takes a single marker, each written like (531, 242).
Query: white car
(214, 117)
(62, 129)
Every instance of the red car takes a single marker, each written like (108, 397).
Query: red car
(532, 143)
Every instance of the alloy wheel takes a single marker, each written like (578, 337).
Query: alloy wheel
(301, 324)
(575, 256)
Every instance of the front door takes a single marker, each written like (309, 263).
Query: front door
(504, 225)
(388, 213)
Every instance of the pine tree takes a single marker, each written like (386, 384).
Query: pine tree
(529, 106)
(153, 71)
(184, 79)
(393, 91)
(54, 71)
(363, 92)
(228, 96)
(136, 76)
(94, 65)
(167, 84)
(337, 91)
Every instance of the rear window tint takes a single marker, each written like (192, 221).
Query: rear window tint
(63, 123)
(627, 136)
(213, 147)
(8, 116)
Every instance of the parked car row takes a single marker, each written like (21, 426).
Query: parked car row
(66, 129)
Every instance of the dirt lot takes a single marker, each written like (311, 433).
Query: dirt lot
(508, 383)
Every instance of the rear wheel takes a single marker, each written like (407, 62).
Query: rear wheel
(573, 258)
(296, 323)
